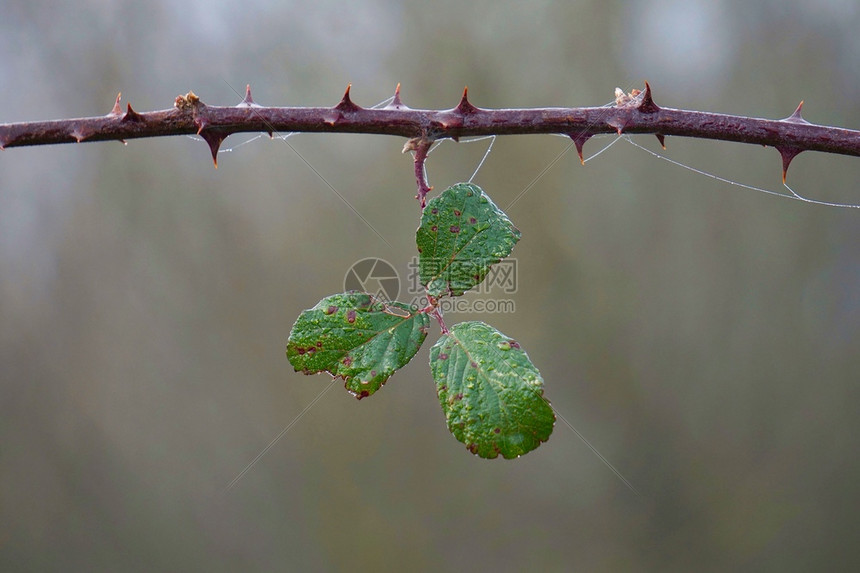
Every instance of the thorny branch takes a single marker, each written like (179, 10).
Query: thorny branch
(632, 113)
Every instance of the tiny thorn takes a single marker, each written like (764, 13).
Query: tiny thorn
(796, 117)
(646, 102)
(579, 141)
(346, 104)
(662, 139)
(79, 134)
(396, 102)
(248, 101)
(617, 124)
(132, 115)
(202, 123)
(214, 139)
(787, 154)
(465, 107)
(117, 110)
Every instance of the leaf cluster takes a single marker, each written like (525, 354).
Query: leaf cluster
(490, 391)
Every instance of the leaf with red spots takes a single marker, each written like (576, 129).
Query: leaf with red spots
(462, 234)
(357, 337)
(490, 391)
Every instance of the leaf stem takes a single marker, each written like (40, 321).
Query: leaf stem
(421, 147)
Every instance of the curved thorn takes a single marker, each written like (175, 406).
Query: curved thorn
(132, 115)
(617, 124)
(248, 101)
(346, 104)
(796, 117)
(787, 154)
(214, 139)
(662, 139)
(202, 123)
(579, 141)
(465, 107)
(117, 110)
(646, 104)
(79, 134)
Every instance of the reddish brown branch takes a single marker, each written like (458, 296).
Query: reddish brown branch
(633, 113)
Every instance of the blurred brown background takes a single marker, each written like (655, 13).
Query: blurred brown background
(703, 337)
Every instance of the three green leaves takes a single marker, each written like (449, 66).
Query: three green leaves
(489, 390)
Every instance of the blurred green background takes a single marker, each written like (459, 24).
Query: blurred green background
(703, 337)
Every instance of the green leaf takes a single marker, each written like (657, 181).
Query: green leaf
(462, 234)
(490, 391)
(357, 337)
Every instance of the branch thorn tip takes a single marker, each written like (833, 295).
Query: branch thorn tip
(646, 102)
(346, 104)
(132, 115)
(117, 110)
(465, 107)
(214, 139)
(787, 154)
(796, 117)
(579, 141)
(248, 101)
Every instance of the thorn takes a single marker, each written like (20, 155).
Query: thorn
(396, 103)
(117, 110)
(248, 101)
(796, 117)
(202, 123)
(662, 139)
(332, 117)
(132, 115)
(465, 107)
(346, 104)
(646, 102)
(79, 134)
(579, 140)
(617, 124)
(214, 139)
(787, 154)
